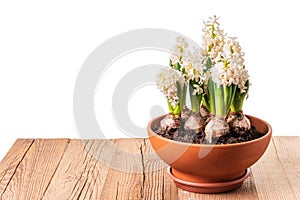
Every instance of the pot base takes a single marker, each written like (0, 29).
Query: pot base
(217, 187)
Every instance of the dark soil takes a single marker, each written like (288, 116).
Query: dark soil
(234, 137)
(199, 138)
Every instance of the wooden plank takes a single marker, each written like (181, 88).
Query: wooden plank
(126, 177)
(102, 157)
(157, 184)
(82, 171)
(270, 177)
(129, 169)
(288, 153)
(35, 171)
(11, 161)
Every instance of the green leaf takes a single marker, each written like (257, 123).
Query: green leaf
(227, 95)
(177, 67)
(183, 96)
(170, 107)
(211, 97)
(179, 93)
(195, 99)
(205, 101)
(208, 63)
(170, 63)
(238, 99)
(183, 71)
(219, 100)
(177, 110)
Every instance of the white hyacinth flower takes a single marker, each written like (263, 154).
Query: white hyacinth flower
(190, 61)
(225, 54)
(175, 59)
(197, 89)
(166, 82)
(181, 46)
(213, 39)
(243, 78)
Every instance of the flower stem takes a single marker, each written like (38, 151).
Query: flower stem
(220, 98)
(238, 100)
(230, 93)
(211, 97)
(181, 93)
(196, 99)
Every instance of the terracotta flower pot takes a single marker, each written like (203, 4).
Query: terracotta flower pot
(210, 168)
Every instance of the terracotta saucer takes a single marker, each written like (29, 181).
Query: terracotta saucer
(217, 187)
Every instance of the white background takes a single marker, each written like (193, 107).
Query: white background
(43, 45)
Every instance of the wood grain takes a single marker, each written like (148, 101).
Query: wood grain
(129, 169)
(288, 153)
(155, 172)
(79, 175)
(126, 179)
(11, 161)
(271, 179)
(35, 171)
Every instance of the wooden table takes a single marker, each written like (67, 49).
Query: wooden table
(128, 169)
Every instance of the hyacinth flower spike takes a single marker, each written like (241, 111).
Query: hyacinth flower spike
(224, 61)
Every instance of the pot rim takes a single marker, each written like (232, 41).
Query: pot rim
(267, 134)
